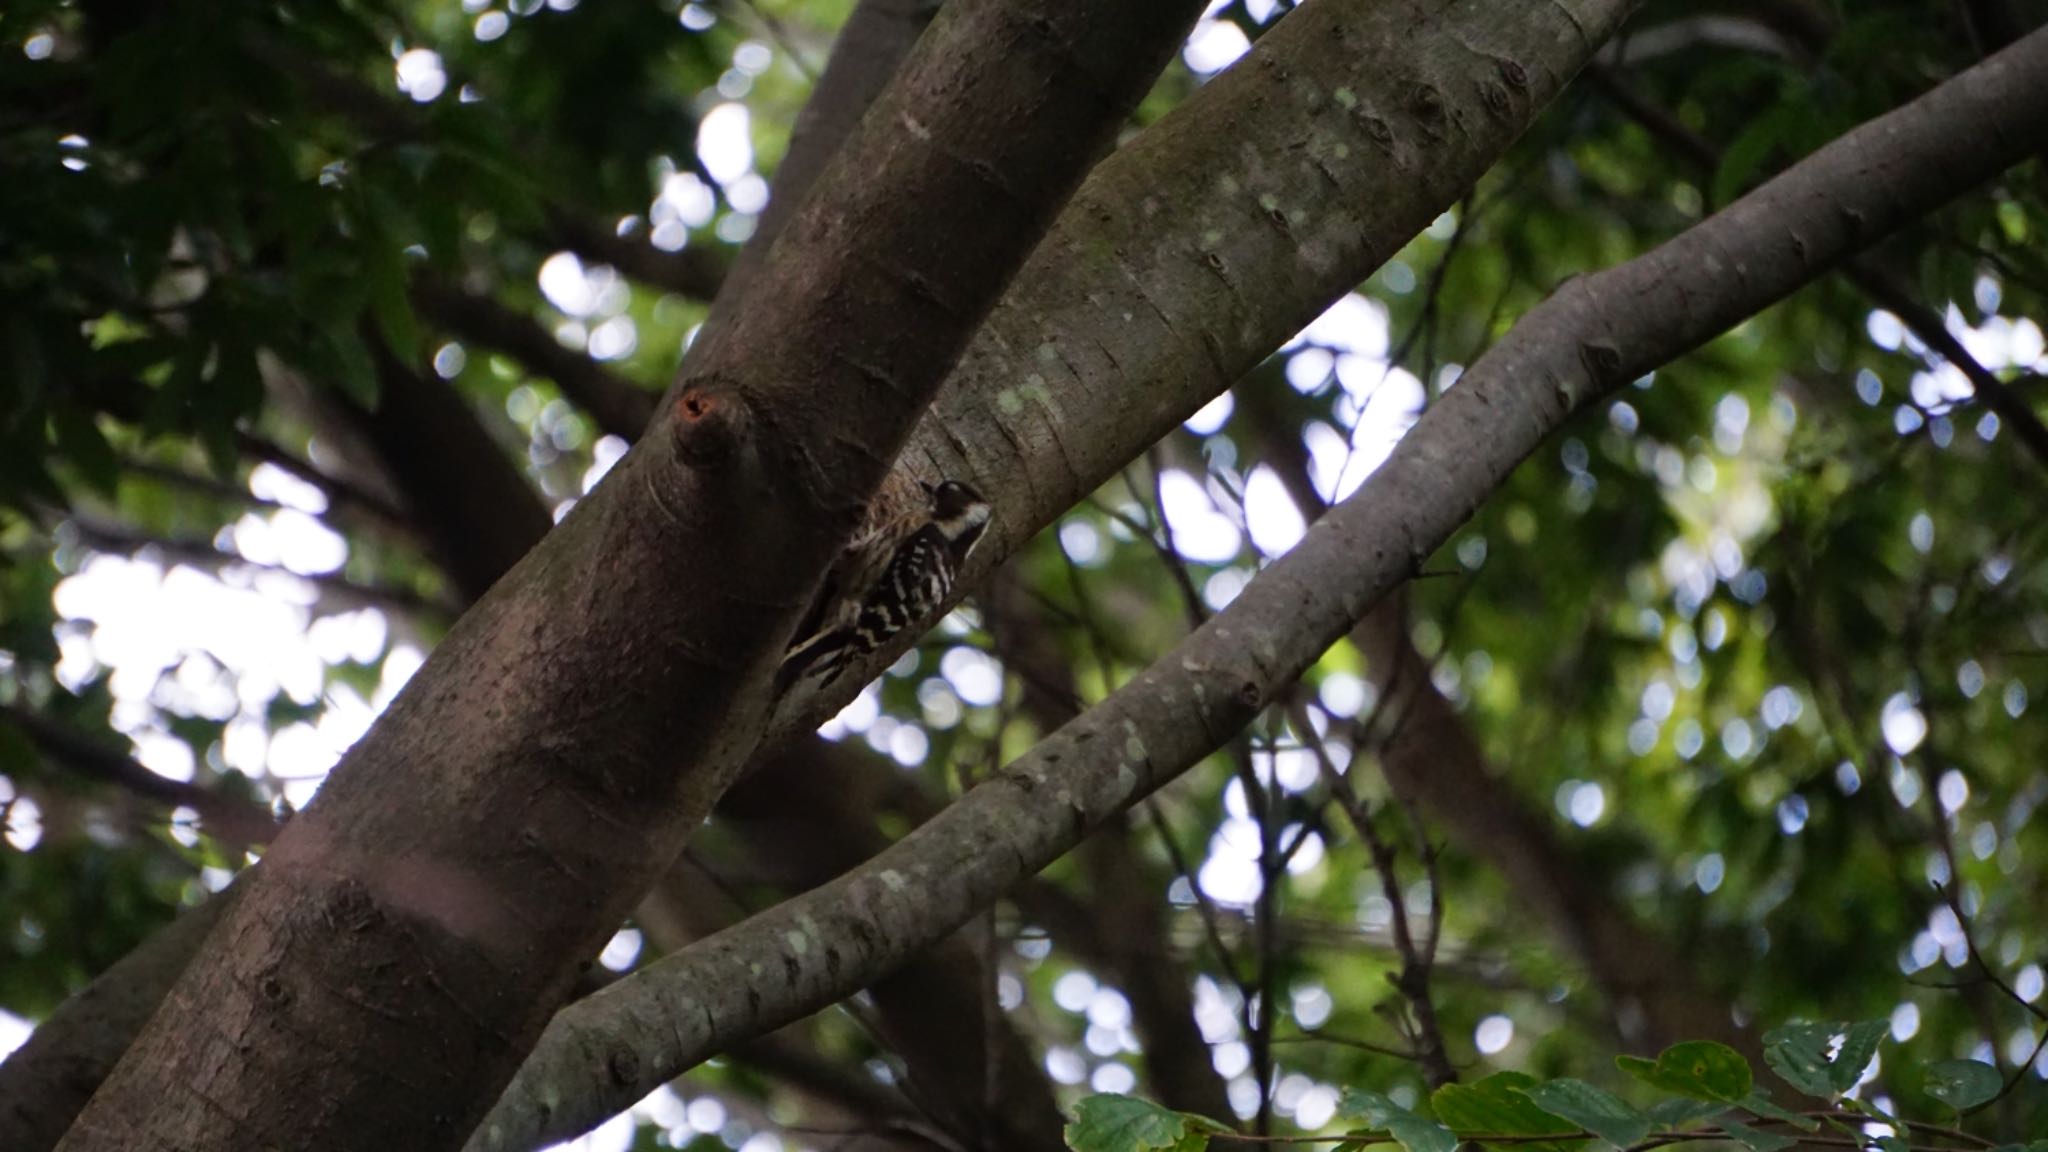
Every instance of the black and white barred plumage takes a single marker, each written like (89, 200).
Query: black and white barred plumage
(894, 576)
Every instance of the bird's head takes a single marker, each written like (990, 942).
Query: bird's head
(960, 513)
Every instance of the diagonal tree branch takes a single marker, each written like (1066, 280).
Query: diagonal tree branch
(1882, 286)
(484, 517)
(1590, 337)
(1122, 927)
(498, 821)
(1221, 231)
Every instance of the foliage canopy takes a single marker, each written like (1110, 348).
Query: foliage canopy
(1750, 658)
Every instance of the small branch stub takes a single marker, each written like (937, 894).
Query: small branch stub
(710, 421)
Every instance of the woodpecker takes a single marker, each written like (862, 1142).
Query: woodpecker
(894, 574)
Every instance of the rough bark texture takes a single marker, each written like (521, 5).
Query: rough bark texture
(1179, 266)
(1218, 233)
(1123, 928)
(487, 518)
(810, 816)
(429, 911)
(1591, 337)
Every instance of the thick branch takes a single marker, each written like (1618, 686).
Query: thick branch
(1594, 335)
(1884, 288)
(811, 816)
(1220, 232)
(1122, 928)
(495, 825)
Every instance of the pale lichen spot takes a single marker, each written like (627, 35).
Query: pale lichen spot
(1134, 747)
(893, 880)
(1341, 151)
(798, 942)
(911, 124)
(1126, 780)
(1009, 402)
(1047, 352)
(755, 968)
(1298, 217)
(1212, 238)
(1346, 98)
(1269, 202)
(1228, 184)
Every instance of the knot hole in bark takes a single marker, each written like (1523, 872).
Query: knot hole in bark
(1603, 363)
(624, 1067)
(710, 423)
(1426, 104)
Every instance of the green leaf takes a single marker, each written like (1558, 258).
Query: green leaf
(1415, 1133)
(1495, 1106)
(1678, 1113)
(1112, 1123)
(1799, 1054)
(1700, 1069)
(1754, 1140)
(1595, 1109)
(1859, 1046)
(1963, 1084)
(389, 302)
(80, 440)
(1758, 1104)
(1745, 156)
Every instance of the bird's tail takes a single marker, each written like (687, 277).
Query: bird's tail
(825, 653)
